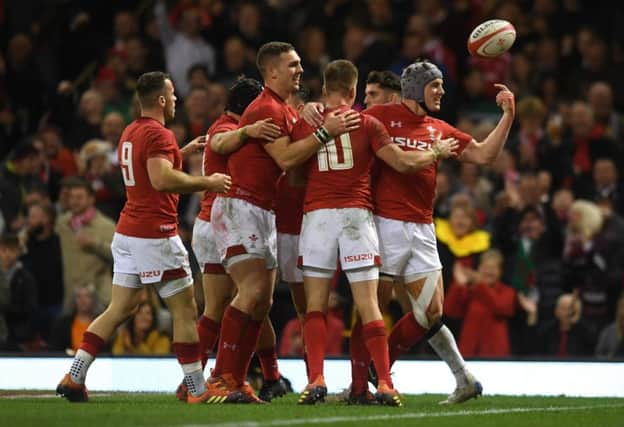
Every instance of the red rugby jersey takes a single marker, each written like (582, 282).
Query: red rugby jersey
(288, 206)
(254, 172)
(147, 213)
(339, 174)
(409, 197)
(215, 162)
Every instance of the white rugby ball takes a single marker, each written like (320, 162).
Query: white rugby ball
(491, 38)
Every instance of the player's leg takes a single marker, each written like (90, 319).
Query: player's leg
(123, 302)
(316, 283)
(443, 342)
(218, 293)
(364, 290)
(218, 288)
(242, 319)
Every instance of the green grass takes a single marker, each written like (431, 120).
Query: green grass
(135, 409)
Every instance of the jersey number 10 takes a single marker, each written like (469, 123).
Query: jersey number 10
(126, 164)
(328, 158)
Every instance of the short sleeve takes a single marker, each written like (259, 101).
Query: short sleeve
(449, 131)
(377, 133)
(224, 127)
(161, 144)
(265, 111)
(301, 130)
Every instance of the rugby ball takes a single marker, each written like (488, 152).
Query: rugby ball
(491, 38)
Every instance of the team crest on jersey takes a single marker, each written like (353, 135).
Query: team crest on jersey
(434, 134)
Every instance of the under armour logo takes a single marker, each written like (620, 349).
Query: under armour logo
(395, 124)
(230, 346)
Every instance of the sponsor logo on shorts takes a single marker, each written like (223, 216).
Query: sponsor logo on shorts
(146, 274)
(253, 239)
(359, 257)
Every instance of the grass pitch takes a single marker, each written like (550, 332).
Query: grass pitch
(137, 409)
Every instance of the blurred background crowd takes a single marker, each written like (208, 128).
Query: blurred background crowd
(532, 248)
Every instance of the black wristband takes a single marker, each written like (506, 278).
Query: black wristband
(322, 135)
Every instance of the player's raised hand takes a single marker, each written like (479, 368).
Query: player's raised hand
(445, 148)
(339, 123)
(312, 113)
(264, 129)
(218, 183)
(505, 99)
(194, 146)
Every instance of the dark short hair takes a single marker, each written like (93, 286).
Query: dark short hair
(201, 68)
(270, 51)
(78, 182)
(10, 240)
(47, 209)
(150, 86)
(241, 94)
(340, 76)
(385, 79)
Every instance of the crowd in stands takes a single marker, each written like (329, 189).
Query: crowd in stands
(532, 248)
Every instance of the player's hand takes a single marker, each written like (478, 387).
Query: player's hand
(505, 99)
(446, 148)
(264, 129)
(218, 183)
(312, 113)
(194, 146)
(339, 123)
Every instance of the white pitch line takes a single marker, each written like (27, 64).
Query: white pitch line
(408, 415)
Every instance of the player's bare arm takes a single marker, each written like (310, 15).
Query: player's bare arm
(195, 146)
(230, 141)
(414, 161)
(287, 155)
(486, 151)
(165, 178)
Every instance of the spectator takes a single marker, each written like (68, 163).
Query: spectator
(235, 62)
(17, 176)
(85, 125)
(184, 47)
(605, 184)
(140, 334)
(59, 157)
(485, 304)
(197, 117)
(198, 76)
(104, 178)
(44, 260)
(600, 99)
(587, 263)
(611, 340)
(459, 238)
(567, 335)
(111, 129)
(22, 305)
(86, 235)
(68, 329)
(5, 296)
(476, 186)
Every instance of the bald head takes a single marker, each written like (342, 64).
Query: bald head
(600, 98)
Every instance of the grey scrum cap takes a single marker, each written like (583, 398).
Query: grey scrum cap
(415, 77)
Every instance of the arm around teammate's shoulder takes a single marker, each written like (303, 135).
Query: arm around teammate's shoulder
(230, 141)
(288, 154)
(165, 178)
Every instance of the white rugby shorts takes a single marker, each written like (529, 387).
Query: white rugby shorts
(205, 248)
(348, 233)
(243, 228)
(407, 248)
(287, 254)
(141, 261)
